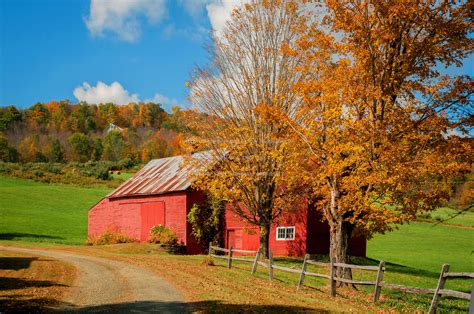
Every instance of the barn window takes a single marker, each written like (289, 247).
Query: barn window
(285, 233)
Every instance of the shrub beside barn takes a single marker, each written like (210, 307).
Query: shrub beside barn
(161, 193)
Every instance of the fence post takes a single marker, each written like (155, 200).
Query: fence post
(255, 262)
(303, 270)
(333, 280)
(270, 262)
(441, 282)
(471, 304)
(210, 249)
(229, 261)
(378, 281)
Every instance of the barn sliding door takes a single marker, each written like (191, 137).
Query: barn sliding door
(152, 214)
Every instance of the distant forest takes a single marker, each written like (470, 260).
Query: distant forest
(58, 131)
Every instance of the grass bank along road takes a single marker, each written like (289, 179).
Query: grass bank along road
(104, 284)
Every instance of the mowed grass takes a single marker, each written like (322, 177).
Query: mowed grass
(415, 254)
(48, 213)
(33, 211)
(449, 216)
(122, 175)
(426, 246)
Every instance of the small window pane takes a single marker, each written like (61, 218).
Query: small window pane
(280, 233)
(285, 233)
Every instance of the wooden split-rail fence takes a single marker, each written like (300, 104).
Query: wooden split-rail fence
(254, 257)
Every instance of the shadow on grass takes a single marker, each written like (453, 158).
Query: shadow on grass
(16, 263)
(400, 269)
(185, 307)
(19, 235)
(15, 304)
(8, 283)
(391, 267)
(422, 302)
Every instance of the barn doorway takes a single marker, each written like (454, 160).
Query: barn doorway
(235, 239)
(152, 214)
(230, 238)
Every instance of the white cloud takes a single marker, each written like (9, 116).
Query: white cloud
(219, 12)
(163, 100)
(117, 94)
(122, 17)
(103, 93)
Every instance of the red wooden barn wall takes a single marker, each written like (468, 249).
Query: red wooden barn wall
(242, 235)
(137, 215)
(311, 234)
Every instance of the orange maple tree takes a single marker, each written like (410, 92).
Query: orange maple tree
(379, 125)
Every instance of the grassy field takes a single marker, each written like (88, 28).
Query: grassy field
(33, 211)
(416, 252)
(426, 246)
(48, 213)
(122, 175)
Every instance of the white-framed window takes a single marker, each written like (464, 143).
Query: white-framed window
(285, 233)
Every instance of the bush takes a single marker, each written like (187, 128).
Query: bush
(207, 221)
(110, 236)
(98, 170)
(424, 215)
(162, 235)
(126, 163)
(84, 174)
(4, 168)
(38, 173)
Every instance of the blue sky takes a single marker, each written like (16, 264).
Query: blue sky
(50, 48)
(107, 50)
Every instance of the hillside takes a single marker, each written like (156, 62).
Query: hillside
(65, 132)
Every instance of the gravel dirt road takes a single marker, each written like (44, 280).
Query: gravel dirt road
(110, 286)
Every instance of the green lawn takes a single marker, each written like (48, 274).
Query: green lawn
(48, 213)
(426, 246)
(415, 254)
(34, 211)
(123, 175)
(449, 216)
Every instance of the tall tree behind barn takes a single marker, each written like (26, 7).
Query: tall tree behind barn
(249, 77)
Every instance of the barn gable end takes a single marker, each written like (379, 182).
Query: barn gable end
(157, 194)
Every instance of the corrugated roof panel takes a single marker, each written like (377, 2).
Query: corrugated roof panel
(157, 177)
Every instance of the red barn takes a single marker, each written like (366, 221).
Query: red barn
(294, 234)
(161, 193)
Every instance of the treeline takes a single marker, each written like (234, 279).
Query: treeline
(65, 132)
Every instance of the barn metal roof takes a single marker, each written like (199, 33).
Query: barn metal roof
(157, 177)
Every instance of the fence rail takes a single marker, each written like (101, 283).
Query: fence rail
(443, 276)
(378, 282)
(333, 279)
(229, 257)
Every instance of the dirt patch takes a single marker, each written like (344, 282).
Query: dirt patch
(108, 285)
(218, 289)
(30, 283)
(208, 288)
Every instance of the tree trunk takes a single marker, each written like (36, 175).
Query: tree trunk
(340, 234)
(264, 239)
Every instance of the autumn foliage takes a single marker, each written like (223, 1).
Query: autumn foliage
(377, 124)
(61, 131)
(354, 113)
(249, 75)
